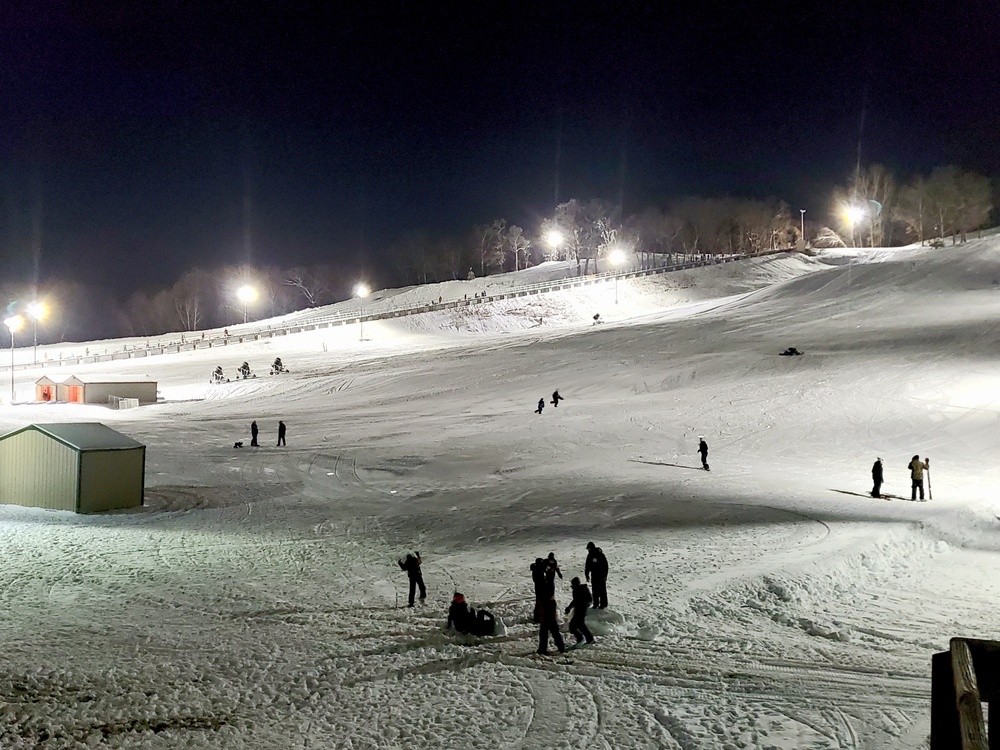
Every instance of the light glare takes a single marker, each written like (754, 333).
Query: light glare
(362, 290)
(14, 323)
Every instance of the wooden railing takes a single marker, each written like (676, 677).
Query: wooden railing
(962, 679)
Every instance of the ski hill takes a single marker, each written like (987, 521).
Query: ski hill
(255, 600)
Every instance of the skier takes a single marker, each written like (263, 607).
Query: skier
(458, 614)
(580, 605)
(877, 478)
(253, 434)
(703, 450)
(596, 571)
(412, 567)
(550, 626)
(542, 590)
(541, 405)
(556, 398)
(281, 433)
(917, 469)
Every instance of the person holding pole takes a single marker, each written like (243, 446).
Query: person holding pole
(917, 469)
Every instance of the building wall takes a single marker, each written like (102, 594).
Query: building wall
(112, 479)
(97, 393)
(38, 472)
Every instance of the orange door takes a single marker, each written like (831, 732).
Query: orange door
(75, 394)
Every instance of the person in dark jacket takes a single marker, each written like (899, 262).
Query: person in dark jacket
(556, 398)
(580, 605)
(483, 623)
(596, 571)
(281, 433)
(458, 614)
(541, 405)
(877, 478)
(542, 591)
(412, 567)
(550, 626)
(703, 450)
(552, 570)
(253, 434)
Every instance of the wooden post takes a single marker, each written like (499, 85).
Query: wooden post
(944, 720)
(970, 708)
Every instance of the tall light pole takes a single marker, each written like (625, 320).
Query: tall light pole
(802, 215)
(362, 291)
(36, 311)
(247, 294)
(617, 257)
(14, 324)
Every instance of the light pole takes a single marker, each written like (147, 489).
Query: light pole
(802, 215)
(617, 257)
(36, 311)
(362, 291)
(247, 294)
(13, 324)
(853, 214)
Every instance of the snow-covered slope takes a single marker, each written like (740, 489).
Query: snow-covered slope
(255, 601)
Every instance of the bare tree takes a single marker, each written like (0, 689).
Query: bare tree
(865, 207)
(307, 284)
(913, 208)
(515, 244)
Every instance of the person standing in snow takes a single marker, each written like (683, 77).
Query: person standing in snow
(877, 478)
(580, 605)
(703, 450)
(541, 405)
(281, 433)
(412, 567)
(253, 434)
(596, 571)
(550, 626)
(552, 570)
(542, 591)
(556, 398)
(917, 469)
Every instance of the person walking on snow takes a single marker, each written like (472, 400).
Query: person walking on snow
(281, 433)
(541, 405)
(580, 605)
(542, 590)
(596, 571)
(412, 567)
(877, 478)
(552, 570)
(917, 469)
(703, 450)
(253, 434)
(556, 398)
(550, 626)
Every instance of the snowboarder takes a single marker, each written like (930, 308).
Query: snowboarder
(703, 450)
(917, 469)
(458, 614)
(253, 434)
(877, 478)
(412, 567)
(556, 398)
(542, 590)
(596, 571)
(580, 605)
(550, 626)
(281, 433)
(541, 405)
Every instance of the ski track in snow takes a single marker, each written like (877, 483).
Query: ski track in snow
(255, 600)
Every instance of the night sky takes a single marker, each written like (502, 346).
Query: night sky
(139, 134)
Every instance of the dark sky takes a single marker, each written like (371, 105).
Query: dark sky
(141, 128)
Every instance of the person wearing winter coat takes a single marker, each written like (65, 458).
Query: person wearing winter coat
(552, 570)
(542, 590)
(596, 571)
(580, 605)
(253, 434)
(459, 616)
(556, 398)
(550, 626)
(703, 450)
(541, 405)
(482, 622)
(281, 433)
(917, 469)
(877, 478)
(412, 567)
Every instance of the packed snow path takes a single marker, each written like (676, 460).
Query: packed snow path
(255, 601)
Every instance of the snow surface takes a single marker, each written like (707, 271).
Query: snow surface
(255, 601)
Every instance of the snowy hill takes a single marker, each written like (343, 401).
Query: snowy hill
(256, 602)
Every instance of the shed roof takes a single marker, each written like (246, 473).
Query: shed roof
(51, 380)
(83, 436)
(104, 378)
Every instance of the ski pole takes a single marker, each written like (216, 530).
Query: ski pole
(930, 495)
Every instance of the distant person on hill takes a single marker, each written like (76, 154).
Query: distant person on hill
(703, 450)
(411, 564)
(552, 570)
(541, 405)
(917, 469)
(877, 478)
(790, 352)
(281, 433)
(556, 398)
(596, 571)
(580, 605)
(253, 434)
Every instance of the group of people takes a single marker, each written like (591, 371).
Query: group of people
(556, 398)
(243, 371)
(255, 431)
(917, 469)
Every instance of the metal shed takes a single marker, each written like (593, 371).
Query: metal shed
(96, 389)
(85, 467)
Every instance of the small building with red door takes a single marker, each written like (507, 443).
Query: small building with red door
(96, 389)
